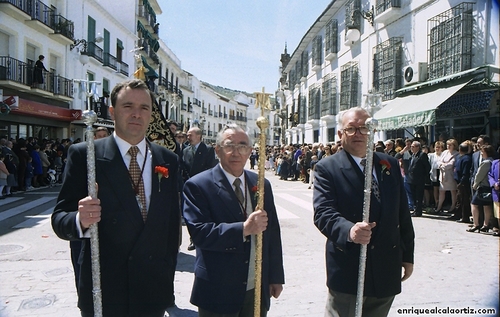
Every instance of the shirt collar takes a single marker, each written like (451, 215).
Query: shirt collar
(230, 177)
(124, 146)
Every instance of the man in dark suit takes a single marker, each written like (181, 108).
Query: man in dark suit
(138, 217)
(338, 213)
(220, 220)
(462, 177)
(418, 175)
(197, 157)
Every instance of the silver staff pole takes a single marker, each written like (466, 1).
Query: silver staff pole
(90, 117)
(372, 103)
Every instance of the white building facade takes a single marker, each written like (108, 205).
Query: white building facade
(434, 63)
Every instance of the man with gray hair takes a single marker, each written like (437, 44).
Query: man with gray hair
(221, 216)
(389, 147)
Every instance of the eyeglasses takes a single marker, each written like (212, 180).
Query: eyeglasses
(241, 149)
(350, 131)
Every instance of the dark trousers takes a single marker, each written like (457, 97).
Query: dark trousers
(344, 305)
(463, 202)
(246, 311)
(417, 191)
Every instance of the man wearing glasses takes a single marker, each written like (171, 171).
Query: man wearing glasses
(338, 213)
(219, 210)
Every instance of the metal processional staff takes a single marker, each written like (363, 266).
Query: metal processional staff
(90, 117)
(264, 104)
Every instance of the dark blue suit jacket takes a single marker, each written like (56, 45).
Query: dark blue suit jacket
(137, 259)
(215, 221)
(338, 204)
(204, 159)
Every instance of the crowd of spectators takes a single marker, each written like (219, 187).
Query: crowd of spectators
(31, 163)
(460, 175)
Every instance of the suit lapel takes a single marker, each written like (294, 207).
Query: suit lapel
(251, 184)
(156, 194)
(352, 174)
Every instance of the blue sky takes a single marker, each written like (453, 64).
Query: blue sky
(236, 44)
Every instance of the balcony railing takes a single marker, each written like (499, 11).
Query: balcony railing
(40, 12)
(204, 110)
(14, 70)
(123, 67)
(232, 117)
(190, 108)
(62, 26)
(95, 51)
(20, 4)
(110, 61)
(383, 5)
(210, 112)
(63, 86)
(163, 82)
(184, 106)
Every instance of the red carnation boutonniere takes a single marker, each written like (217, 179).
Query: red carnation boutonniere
(162, 172)
(255, 191)
(386, 166)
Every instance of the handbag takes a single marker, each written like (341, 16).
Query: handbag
(484, 194)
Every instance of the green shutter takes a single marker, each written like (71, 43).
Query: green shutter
(105, 86)
(91, 30)
(106, 41)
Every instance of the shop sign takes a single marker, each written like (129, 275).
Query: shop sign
(38, 109)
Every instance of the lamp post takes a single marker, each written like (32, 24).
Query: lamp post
(372, 103)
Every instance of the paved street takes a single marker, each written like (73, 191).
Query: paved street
(453, 268)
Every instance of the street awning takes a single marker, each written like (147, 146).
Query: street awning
(415, 110)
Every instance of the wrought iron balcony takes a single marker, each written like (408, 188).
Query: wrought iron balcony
(63, 26)
(63, 86)
(40, 12)
(95, 51)
(13, 70)
(122, 68)
(110, 61)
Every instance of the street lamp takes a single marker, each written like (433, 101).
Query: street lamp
(81, 46)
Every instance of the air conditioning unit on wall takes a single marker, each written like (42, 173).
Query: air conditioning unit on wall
(415, 73)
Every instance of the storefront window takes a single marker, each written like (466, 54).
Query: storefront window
(23, 131)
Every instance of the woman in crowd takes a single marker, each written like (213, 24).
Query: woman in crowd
(434, 173)
(447, 181)
(328, 151)
(481, 186)
(3, 175)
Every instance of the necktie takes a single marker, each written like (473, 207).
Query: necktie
(193, 152)
(137, 181)
(239, 194)
(375, 189)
